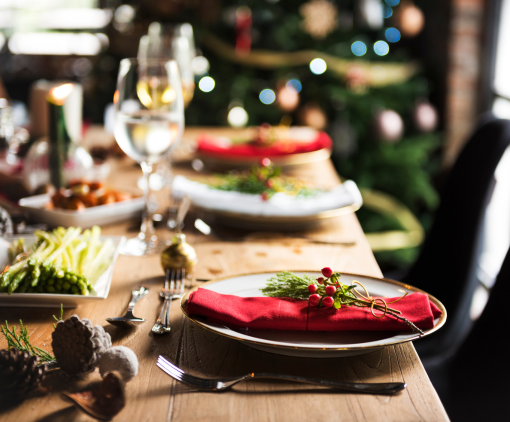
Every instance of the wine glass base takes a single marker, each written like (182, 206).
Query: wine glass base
(141, 247)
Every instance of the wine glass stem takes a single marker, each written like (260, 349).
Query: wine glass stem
(147, 228)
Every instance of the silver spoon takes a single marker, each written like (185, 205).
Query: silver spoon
(129, 318)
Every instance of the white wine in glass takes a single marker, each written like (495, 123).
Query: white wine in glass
(149, 121)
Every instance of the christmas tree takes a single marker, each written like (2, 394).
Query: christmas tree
(340, 66)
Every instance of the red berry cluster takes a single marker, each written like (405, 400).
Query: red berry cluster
(265, 175)
(324, 295)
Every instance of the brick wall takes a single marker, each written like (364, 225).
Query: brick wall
(463, 74)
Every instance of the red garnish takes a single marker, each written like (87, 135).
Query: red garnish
(327, 272)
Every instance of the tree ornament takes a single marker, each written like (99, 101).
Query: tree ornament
(78, 345)
(312, 115)
(389, 126)
(19, 373)
(121, 359)
(409, 19)
(357, 79)
(287, 98)
(369, 14)
(243, 30)
(320, 18)
(425, 117)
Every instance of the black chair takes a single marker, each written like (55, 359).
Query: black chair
(447, 264)
(480, 372)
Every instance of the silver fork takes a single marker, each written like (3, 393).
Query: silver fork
(218, 384)
(173, 289)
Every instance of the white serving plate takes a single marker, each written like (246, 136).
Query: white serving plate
(51, 300)
(307, 343)
(94, 216)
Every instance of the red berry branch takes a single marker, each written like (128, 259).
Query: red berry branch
(328, 291)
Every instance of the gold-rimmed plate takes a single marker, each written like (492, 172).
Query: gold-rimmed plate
(220, 162)
(312, 344)
(239, 220)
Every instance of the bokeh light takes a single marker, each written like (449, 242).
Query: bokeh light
(267, 96)
(200, 65)
(392, 3)
(387, 11)
(206, 84)
(358, 48)
(295, 83)
(318, 66)
(381, 48)
(237, 117)
(392, 35)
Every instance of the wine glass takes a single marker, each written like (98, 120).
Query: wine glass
(149, 122)
(172, 42)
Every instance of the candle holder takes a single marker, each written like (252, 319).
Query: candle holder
(57, 159)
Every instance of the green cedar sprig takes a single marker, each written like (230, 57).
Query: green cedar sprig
(22, 342)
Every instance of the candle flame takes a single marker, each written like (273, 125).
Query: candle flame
(58, 94)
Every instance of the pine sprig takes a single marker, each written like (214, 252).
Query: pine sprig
(22, 342)
(287, 284)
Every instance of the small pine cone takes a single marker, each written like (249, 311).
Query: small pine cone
(19, 373)
(78, 345)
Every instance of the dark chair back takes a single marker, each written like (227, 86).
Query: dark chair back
(446, 266)
(479, 374)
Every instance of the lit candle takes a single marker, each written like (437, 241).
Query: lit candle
(58, 133)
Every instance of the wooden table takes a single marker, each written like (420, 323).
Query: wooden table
(154, 396)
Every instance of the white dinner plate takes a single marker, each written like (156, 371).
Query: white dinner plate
(51, 300)
(308, 343)
(94, 216)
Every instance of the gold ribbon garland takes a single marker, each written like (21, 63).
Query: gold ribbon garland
(378, 74)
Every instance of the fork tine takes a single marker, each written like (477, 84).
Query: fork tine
(180, 375)
(183, 274)
(172, 280)
(185, 378)
(169, 364)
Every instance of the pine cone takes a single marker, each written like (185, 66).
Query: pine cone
(19, 373)
(78, 345)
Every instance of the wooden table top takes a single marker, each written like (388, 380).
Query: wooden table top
(154, 396)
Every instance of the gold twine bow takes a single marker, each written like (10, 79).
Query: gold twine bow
(374, 302)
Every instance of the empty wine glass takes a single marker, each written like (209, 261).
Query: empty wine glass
(149, 122)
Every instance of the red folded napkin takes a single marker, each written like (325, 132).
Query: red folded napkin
(210, 145)
(271, 313)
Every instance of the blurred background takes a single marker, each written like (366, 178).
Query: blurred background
(397, 84)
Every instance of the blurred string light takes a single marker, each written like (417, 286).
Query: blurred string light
(318, 66)
(392, 3)
(294, 83)
(392, 35)
(206, 84)
(387, 11)
(267, 96)
(381, 48)
(358, 48)
(237, 117)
